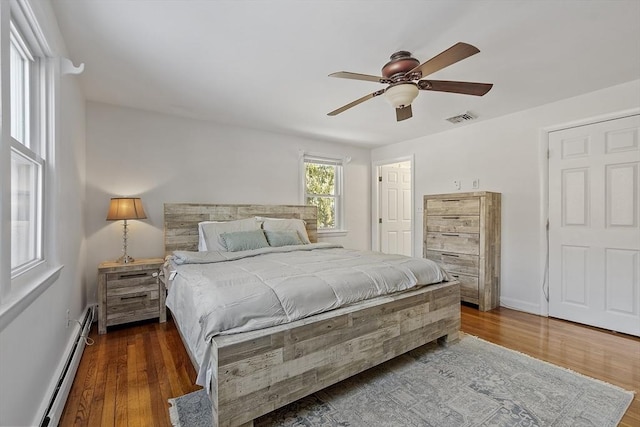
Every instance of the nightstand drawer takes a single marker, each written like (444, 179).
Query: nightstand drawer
(144, 302)
(131, 278)
(130, 296)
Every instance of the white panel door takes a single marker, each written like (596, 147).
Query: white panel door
(594, 224)
(395, 210)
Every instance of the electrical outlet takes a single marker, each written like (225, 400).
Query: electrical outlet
(457, 184)
(475, 184)
(68, 317)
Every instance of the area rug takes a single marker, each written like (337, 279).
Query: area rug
(468, 383)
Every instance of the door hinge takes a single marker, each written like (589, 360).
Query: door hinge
(379, 179)
(548, 154)
(379, 220)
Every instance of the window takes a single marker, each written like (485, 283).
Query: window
(26, 162)
(323, 179)
(29, 71)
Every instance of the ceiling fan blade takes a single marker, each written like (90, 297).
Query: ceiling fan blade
(467, 88)
(404, 113)
(455, 53)
(356, 76)
(356, 102)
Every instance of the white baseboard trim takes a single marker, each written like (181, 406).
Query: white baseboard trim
(52, 408)
(519, 305)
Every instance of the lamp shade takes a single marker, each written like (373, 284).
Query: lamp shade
(125, 208)
(401, 95)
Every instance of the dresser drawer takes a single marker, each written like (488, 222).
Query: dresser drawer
(456, 263)
(455, 224)
(461, 206)
(469, 288)
(460, 243)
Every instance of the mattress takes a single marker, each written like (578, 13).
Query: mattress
(216, 293)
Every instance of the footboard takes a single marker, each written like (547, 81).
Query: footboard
(257, 372)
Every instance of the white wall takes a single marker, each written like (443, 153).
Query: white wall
(33, 345)
(506, 155)
(164, 158)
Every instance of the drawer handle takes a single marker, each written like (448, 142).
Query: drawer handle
(132, 297)
(133, 275)
(451, 200)
(451, 217)
(451, 235)
(455, 276)
(451, 255)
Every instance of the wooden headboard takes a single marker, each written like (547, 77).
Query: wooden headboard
(181, 220)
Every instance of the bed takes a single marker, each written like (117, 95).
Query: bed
(253, 372)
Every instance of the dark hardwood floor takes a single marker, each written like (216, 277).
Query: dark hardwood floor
(126, 377)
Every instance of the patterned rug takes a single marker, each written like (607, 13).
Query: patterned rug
(469, 383)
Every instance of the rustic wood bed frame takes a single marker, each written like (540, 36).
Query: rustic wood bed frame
(257, 372)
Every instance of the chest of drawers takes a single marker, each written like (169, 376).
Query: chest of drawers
(462, 234)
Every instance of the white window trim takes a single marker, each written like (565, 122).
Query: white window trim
(341, 229)
(17, 293)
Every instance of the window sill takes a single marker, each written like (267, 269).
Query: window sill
(17, 301)
(332, 233)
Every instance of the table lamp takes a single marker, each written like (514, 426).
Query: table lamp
(125, 208)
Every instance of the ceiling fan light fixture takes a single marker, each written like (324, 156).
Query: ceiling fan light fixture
(401, 95)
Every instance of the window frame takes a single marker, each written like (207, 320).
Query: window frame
(21, 286)
(31, 143)
(339, 164)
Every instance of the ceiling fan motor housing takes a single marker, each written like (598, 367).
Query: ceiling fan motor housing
(401, 62)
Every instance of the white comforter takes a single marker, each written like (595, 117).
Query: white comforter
(223, 293)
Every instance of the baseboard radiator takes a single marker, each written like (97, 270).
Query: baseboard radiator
(63, 386)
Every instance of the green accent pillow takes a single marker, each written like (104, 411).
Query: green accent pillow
(283, 238)
(244, 240)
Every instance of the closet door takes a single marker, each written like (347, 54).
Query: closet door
(594, 224)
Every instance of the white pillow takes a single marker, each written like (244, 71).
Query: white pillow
(202, 244)
(284, 224)
(209, 232)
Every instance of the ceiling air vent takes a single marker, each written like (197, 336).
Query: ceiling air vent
(465, 117)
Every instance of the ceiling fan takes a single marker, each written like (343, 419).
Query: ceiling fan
(403, 74)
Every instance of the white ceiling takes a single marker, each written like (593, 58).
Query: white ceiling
(264, 64)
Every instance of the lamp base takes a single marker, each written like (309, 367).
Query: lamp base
(125, 259)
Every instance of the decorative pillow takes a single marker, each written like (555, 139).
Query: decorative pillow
(244, 240)
(282, 224)
(212, 230)
(283, 238)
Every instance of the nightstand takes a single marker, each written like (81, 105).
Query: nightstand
(130, 292)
